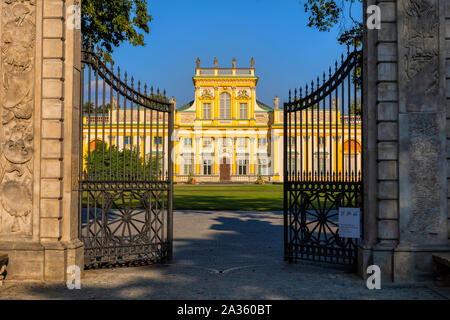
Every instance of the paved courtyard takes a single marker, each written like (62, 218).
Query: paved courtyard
(223, 255)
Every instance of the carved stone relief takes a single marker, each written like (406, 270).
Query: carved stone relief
(420, 51)
(424, 174)
(16, 125)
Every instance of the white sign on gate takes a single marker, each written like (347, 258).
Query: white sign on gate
(350, 223)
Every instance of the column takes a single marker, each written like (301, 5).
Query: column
(38, 187)
(405, 138)
(252, 142)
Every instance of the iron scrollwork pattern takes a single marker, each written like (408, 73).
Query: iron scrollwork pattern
(323, 163)
(125, 168)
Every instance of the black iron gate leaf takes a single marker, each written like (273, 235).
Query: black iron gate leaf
(323, 164)
(125, 177)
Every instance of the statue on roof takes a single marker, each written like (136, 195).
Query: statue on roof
(234, 63)
(216, 64)
(198, 63)
(252, 62)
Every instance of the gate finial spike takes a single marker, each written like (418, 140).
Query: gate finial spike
(301, 93)
(295, 94)
(329, 72)
(336, 65)
(145, 89)
(324, 76)
(151, 90)
(132, 82)
(118, 72)
(139, 86)
(289, 95)
(306, 90)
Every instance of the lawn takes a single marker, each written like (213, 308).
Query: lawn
(228, 197)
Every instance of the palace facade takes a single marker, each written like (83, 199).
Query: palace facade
(227, 135)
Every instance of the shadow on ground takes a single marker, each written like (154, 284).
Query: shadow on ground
(221, 255)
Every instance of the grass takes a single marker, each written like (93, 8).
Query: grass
(228, 197)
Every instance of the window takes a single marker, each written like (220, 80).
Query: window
(207, 111)
(188, 166)
(242, 142)
(291, 142)
(225, 106)
(127, 141)
(262, 142)
(207, 142)
(322, 166)
(321, 141)
(262, 167)
(292, 167)
(188, 142)
(242, 166)
(207, 167)
(242, 111)
(157, 141)
(349, 164)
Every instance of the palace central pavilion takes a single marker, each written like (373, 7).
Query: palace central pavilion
(227, 135)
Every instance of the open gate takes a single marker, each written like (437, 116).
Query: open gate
(323, 164)
(125, 182)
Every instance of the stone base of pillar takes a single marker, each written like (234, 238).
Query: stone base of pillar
(412, 264)
(365, 259)
(46, 262)
(380, 255)
(399, 263)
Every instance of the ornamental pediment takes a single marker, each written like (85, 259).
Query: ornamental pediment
(207, 94)
(207, 97)
(243, 95)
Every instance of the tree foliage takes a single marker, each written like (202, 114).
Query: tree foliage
(107, 23)
(326, 14)
(89, 108)
(126, 162)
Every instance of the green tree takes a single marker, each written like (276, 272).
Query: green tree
(102, 160)
(89, 108)
(107, 23)
(356, 110)
(326, 14)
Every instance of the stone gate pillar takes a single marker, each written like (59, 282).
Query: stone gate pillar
(39, 95)
(406, 164)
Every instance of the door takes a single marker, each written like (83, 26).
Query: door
(225, 171)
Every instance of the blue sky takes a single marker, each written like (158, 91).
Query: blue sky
(287, 53)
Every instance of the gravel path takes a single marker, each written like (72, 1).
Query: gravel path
(223, 255)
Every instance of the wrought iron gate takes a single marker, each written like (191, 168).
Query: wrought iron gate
(125, 182)
(323, 163)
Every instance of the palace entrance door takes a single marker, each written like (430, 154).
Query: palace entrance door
(225, 172)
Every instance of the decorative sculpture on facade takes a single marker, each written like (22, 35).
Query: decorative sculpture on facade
(17, 103)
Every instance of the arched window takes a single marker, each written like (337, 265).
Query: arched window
(225, 106)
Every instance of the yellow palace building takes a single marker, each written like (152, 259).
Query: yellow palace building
(227, 135)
